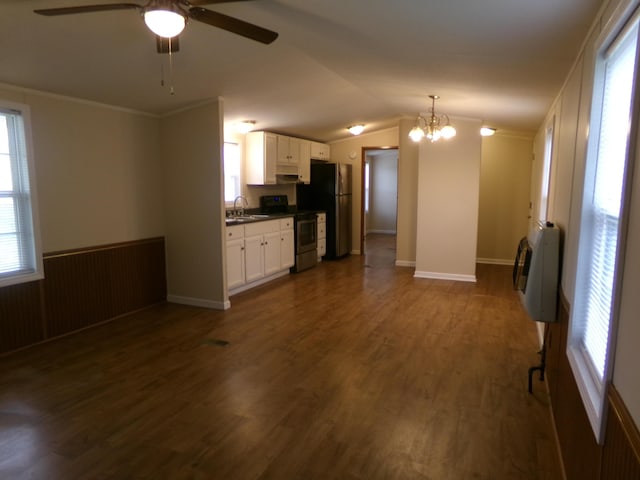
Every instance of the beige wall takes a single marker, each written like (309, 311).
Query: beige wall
(505, 177)
(192, 143)
(407, 196)
(98, 172)
(448, 188)
(350, 151)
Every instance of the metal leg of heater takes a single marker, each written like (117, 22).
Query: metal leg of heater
(543, 362)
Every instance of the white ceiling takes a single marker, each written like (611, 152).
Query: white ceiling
(335, 63)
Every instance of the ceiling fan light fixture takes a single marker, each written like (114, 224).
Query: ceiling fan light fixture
(356, 129)
(164, 21)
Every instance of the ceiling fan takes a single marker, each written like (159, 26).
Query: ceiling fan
(167, 18)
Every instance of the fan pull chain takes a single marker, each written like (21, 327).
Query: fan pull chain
(171, 90)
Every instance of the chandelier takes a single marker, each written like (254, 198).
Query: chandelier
(432, 127)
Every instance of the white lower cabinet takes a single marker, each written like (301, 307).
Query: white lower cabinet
(287, 245)
(322, 234)
(257, 251)
(235, 263)
(254, 258)
(272, 262)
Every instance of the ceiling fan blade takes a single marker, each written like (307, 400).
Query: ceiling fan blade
(87, 9)
(212, 2)
(167, 45)
(233, 25)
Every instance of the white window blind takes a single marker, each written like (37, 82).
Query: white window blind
(600, 224)
(19, 252)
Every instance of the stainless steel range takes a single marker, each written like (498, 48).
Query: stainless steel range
(305, 229)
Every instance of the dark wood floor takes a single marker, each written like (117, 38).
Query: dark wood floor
(351, 370)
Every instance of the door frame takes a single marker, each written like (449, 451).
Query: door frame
(363, 155)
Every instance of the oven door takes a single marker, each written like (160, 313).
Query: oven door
(306, 238)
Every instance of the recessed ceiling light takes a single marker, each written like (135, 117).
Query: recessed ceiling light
(356, 129)
(245, 126)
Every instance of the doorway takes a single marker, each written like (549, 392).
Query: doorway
(379, 206)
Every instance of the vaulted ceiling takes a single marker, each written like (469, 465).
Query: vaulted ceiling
(335, 62)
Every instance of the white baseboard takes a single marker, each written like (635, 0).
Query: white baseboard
(445, 276)
(199, 302)
(405, 263)
(494, 261)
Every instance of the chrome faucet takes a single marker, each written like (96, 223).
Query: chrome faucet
(243, 203)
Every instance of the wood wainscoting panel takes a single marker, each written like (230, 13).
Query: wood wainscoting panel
(621, 451)
(20, 316)
(581, 454)
(89, 286)
(81, 288)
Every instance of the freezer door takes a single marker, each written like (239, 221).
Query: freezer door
(344, 179)
(343, 225)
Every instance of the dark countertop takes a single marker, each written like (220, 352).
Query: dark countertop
(255, 217)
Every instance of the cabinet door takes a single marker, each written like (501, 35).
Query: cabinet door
(260, 158)
(304, 162)
(283, 149)
(270, 158)
(235, 263)
(287, 253)
(253, 258)
(322, 247)
(271, 253)
(294, 150)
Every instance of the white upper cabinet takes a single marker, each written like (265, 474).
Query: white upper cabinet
(320, 151)
(288, 150)
(304, 162)
(261, 158)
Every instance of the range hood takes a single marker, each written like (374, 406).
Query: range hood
(286, 178)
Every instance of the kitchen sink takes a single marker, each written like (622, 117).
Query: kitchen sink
(245, 218)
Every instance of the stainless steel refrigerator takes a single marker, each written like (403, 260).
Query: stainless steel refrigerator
(330, 191)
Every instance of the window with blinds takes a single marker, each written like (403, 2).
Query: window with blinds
(593, 312)
(20, 257)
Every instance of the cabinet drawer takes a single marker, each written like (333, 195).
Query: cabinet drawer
(322, 218)
(260, 228)
(286, 223)
(235, 232)
(322, 230)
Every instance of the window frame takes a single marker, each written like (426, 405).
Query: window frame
(547, 162)
(593, 389)
(36, 271)
(229, 203)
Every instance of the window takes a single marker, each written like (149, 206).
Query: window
(546, 173)
(603, 208)
(20, 256)
(232, 172)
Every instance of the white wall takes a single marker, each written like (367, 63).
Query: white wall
(383, 192)
(448, 189)
(98, 171)
(192, 142)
